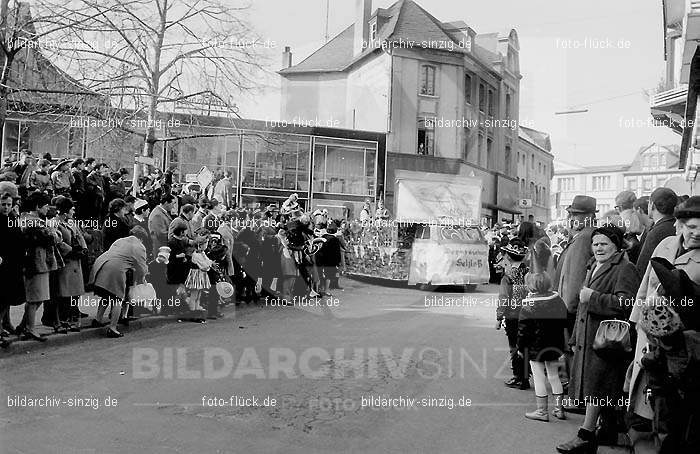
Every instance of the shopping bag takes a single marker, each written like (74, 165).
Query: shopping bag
(142, 295)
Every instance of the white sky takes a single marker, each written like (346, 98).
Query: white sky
(554, 77)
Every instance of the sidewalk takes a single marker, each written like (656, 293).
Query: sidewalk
(88, 305)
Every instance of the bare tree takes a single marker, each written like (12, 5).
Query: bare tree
(149, 55)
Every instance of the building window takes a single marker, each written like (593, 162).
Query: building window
(601, 183)
(344, 166)
(539, 167)
(662, 162)
(373, 31)
(508, 101)
(532, 161)
(647, 184)
(427, 83)
(491, 103)
(489, 154)
(467, 88)
(632, 184)
(426, 138)
(465, 144)
(482, 97)
(532, 190)
(508, 159)
(480, 147)
(565, 184)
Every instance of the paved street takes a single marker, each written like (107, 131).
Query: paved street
(202, 388)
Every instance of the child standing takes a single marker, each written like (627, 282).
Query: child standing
(198, 278)
(541, 334)
(510, 296)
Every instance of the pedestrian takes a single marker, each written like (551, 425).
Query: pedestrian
(661, 205)
(117, 269)
(683, 251)
(61, 178)
(198, 280)
(541, 337)
(41, 259)
(69, 279)
(608, 292)
(159, 221)
(40, 180)
(116, 225)
(510, 296)
(12, 250)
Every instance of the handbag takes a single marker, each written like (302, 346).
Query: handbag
(142, 294)
(612, 338)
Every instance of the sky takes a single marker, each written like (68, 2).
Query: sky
(564, 64)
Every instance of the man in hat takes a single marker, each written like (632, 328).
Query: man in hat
(571, 265)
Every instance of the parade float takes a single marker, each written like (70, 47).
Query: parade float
(433, 239)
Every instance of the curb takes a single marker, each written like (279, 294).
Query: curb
(152, 321)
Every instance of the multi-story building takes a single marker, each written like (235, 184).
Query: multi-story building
(534, 171)
(653, 166)
(446, 97)
(675, 106)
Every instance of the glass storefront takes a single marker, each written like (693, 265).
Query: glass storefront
(61, 140)
(343, 166)
(276, 161)
(218, 154)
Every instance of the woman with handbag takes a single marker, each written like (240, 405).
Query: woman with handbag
(109, 275)
(598, 371)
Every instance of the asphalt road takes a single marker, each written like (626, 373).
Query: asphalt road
(285, 380)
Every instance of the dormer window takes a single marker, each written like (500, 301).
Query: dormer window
(373, 30)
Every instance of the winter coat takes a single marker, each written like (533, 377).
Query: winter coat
(690, 263)
(614, 289)
(12, 249)
(69, 279)
(663, 228)
(571, 268)
(158, 223)
(40, 180)
(41, 240)
(222, 192)
(541, 327)
(178, 267)
(77, 189)
(110, 269)
(61, 180)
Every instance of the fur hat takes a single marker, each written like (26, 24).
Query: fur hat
(516, 250)
(540, 256)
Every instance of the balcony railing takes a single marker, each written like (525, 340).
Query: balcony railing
(673, 96)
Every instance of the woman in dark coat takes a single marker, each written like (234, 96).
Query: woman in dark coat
(608, 292)
(40, 260)
(11, 257)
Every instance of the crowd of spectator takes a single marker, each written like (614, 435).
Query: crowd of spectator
(605, 309)
(75, 227)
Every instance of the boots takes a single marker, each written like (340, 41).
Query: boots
(541, 414)
(583, 443)
(558, 411)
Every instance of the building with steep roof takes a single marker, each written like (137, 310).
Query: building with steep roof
(653, 166)
(446, 97)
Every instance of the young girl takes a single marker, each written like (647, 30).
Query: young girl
(541, 333)
(198, 278)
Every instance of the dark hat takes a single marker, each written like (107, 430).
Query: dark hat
(582, 204)
(677, 285)
(516, 250)
(613, 232)
(625, 199)
(63, 162)
(688, 209)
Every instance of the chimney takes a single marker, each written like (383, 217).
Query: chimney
(363, 11)
(286, 57)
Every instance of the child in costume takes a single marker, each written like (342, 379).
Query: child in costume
(198, 279)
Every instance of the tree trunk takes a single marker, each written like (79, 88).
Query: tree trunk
(4, 92)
